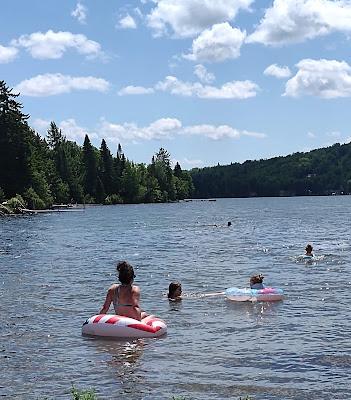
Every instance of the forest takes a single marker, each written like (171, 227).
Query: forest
(37, 172)
(322, 172)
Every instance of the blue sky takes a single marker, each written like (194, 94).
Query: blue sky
(211, 81)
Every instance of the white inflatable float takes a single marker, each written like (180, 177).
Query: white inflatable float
(246, 294)
(124, 327)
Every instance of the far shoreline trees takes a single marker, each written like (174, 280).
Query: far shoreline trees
(42, 172)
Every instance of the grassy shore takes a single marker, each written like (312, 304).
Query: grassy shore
(89, 394)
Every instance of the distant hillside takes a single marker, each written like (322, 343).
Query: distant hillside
(319, 172)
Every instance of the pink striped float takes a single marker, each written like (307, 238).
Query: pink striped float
(124, 327)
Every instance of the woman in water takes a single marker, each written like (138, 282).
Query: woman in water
(256, 282)
(125, 297)
(309, 250)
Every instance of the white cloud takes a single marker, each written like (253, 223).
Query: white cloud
(187, 163)
(293, 21)
(53, 84)
(277, 71)
(163, 128)
(321, 78)
(219, 132)
(186, 18)
(168, 128)
(160, 129)
(7, 54)
(127, 22)
(201, 72)
(220, 43)
(80, 13)
(52, 45)
(171, 84)
(70, 129)
(229, 90)
(40, 125)
(311, 135)
(135, 90)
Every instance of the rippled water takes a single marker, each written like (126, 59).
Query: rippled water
(55, 270)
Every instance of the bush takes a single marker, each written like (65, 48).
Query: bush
(89, 199)
(33, 200)
(88, 394)
(16, 203)
(113, 199)
(5, 210)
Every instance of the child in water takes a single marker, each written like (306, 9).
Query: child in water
(174, 291)
(309, 250)
(256, 282)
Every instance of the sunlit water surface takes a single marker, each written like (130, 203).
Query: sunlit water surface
(55, 270)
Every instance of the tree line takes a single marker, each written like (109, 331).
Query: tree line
(44, 171)
(322, 171)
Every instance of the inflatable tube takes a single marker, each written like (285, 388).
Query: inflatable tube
(124, 327)
(266, 294)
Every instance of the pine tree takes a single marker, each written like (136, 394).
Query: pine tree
(106, 168)
(15, 169)
(90, 168)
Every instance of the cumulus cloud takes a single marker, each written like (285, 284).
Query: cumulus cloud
(163, 128)
(53, 84)
(135, 90)
(70, 129)
(229, 90)
(7, 54)
(80, 13)
(321, 78)
(52, 45)
(201, 72)
(159, 129)
(126, 22)
(186, 18)
(220, 43)
(169, 128)
(219, 132)
(277, 71)
(171, 84)
(293, 21)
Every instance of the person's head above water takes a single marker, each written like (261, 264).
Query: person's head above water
(174, 290)
(256, 279)
(309, 249)
(125, 273)
(229, 223)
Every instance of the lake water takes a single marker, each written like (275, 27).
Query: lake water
(55, 270)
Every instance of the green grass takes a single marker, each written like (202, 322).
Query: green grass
(88, 394)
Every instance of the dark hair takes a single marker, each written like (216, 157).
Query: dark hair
(173, 286)
(309, 248)
(256, 279)
(125, 272)
(229, 223)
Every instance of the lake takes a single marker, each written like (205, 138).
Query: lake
(56, 268)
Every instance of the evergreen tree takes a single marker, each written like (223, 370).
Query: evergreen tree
(15, 149)
(106, 168)
(54, 136)
(90, 168)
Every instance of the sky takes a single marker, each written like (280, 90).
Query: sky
(211, 81)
